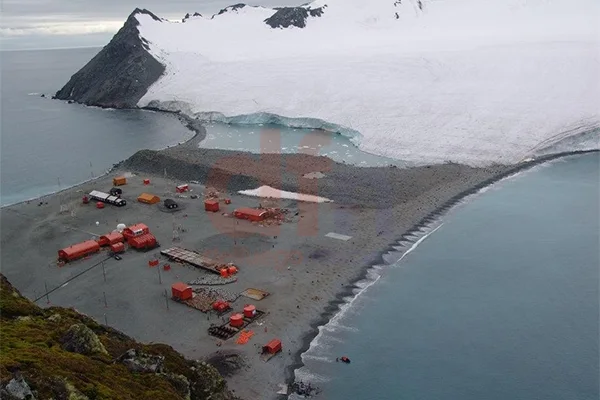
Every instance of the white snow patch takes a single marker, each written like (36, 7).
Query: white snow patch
(272, 193)
(468, 81)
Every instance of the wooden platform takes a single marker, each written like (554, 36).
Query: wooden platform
(193, 258)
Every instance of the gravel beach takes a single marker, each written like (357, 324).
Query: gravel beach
(305, 271)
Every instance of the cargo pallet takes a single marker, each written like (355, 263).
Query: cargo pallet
(193, 258)
(226, 331)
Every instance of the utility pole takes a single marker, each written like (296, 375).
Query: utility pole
(47, 298)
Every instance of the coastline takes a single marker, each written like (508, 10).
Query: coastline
(190, 123)
(334, 306)
(422, 219)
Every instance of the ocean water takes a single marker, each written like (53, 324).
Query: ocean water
(500, 302)
(47, 145)
(277, 139)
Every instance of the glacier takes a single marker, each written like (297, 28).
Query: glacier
(469, 81)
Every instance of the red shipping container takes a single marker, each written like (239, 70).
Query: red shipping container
(211, 205)
(251, 214)
(78, 250)
(146, 241)
(274, 346)
(117, 247)
(181, 291)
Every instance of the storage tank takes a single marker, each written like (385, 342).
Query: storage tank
(249, 311)
(236, 320)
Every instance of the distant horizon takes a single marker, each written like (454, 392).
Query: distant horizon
(60, 24)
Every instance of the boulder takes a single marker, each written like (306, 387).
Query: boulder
(81, 339)
(17, 388)
(137, 361)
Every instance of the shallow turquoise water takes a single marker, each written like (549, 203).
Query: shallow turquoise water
(278, 139)
(501, 302)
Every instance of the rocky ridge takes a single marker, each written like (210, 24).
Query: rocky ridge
(60, 354)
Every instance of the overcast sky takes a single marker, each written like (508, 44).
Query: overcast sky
(35, 24)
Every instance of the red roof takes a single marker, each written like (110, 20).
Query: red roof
(112, 237)
(273, 346)
(250, 211)
(138, 227)
(179, 286)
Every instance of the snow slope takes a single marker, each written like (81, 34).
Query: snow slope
(272, 193)
(470, 81)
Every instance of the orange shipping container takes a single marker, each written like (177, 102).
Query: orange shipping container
(181, 291)
(148, 198)
(119, 180)
(110, 238)
(78, 250)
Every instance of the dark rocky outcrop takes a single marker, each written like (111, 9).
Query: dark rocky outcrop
(120, 74)
(137, 361)
(89, 365)
(188, 16)
(234, 7)
(293, 16)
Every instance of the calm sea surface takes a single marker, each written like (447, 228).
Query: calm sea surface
(501, 302)
(48, 144)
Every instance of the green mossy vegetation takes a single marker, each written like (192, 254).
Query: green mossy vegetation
(30, 341)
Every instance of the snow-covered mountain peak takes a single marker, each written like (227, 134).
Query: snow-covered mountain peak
(471, 81)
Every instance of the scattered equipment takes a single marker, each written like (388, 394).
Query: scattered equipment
(107, 198)
(237, 323)
(146, 181)
(116, 191)
(85, 200)
(148, 198)
(345, 359)
(211, 205)
(119, 180)
(170, 204)
(99, 204)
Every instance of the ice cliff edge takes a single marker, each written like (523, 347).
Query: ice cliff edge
(120, 74)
